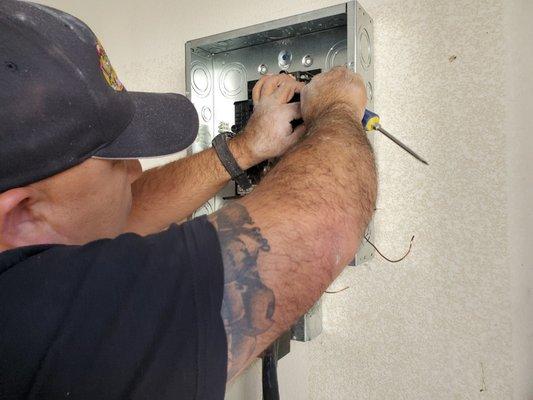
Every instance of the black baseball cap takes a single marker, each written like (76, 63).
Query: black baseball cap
(62, 103)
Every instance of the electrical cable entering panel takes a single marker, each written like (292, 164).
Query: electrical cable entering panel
(385, 257)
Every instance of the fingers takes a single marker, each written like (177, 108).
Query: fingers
(286, 90)
(272, 84)
(293, 111)
(256, 91)
(339, 85)
(269, 84)
(299, 132)
(341, 74)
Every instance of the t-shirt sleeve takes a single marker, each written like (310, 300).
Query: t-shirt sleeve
(130, 318)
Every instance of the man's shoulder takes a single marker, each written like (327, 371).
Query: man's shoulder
(176, 238)
(102, 311)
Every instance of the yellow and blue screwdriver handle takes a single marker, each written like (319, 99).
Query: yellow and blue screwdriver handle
(371, 122)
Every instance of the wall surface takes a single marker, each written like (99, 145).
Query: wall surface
(452, 321)
(519, 149)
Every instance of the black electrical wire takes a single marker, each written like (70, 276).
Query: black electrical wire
(270, 373)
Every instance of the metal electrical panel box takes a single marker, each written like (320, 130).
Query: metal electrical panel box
(222, 69)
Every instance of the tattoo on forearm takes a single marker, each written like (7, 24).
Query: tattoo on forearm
(248, 304)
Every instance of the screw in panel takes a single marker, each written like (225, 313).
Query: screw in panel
(262, 69)
(307, 61)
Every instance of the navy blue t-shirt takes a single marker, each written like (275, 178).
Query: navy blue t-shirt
(129, 318)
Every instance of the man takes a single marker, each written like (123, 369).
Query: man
(101, 294)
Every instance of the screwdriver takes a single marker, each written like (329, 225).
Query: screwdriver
(371, 122)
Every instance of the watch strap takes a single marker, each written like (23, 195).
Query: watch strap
(220, 144)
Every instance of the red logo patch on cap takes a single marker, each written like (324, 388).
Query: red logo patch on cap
(107, 69)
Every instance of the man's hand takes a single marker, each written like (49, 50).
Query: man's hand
(337, 90)
(269, 133)
(171, 193)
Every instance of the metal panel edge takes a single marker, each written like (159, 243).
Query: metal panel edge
(188, 62)
(276, 24)
(358, 19)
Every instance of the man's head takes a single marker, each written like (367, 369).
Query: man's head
(87, 202)
(67, 127)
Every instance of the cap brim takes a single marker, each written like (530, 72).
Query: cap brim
(163, 124)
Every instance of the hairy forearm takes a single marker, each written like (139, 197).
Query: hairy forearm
(327, 188)
(285, 243)
(171, 193)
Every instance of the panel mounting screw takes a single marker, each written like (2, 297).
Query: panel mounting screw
(307, 61)
(262, 69)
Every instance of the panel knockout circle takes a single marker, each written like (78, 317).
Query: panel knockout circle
(337, 55)
(232, 79)
(369, 91)
(206, 113)
(365, 48)
(200, 79)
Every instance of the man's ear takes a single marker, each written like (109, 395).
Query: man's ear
(19, 226)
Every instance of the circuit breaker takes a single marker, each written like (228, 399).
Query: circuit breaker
(221, 71)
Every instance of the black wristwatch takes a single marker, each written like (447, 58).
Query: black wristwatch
(220, 144)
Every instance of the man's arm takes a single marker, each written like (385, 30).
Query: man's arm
(171, 193)
(289, 239)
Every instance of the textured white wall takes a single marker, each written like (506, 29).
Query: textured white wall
(519, 151)
(453, 321)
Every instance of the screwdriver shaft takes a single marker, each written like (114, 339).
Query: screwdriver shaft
(378, 127)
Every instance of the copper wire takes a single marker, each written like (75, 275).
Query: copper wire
(386, 258)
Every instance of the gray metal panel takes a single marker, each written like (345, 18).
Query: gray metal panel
(309, 326)
(199, 86)
(269, 26)
(299, 29)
